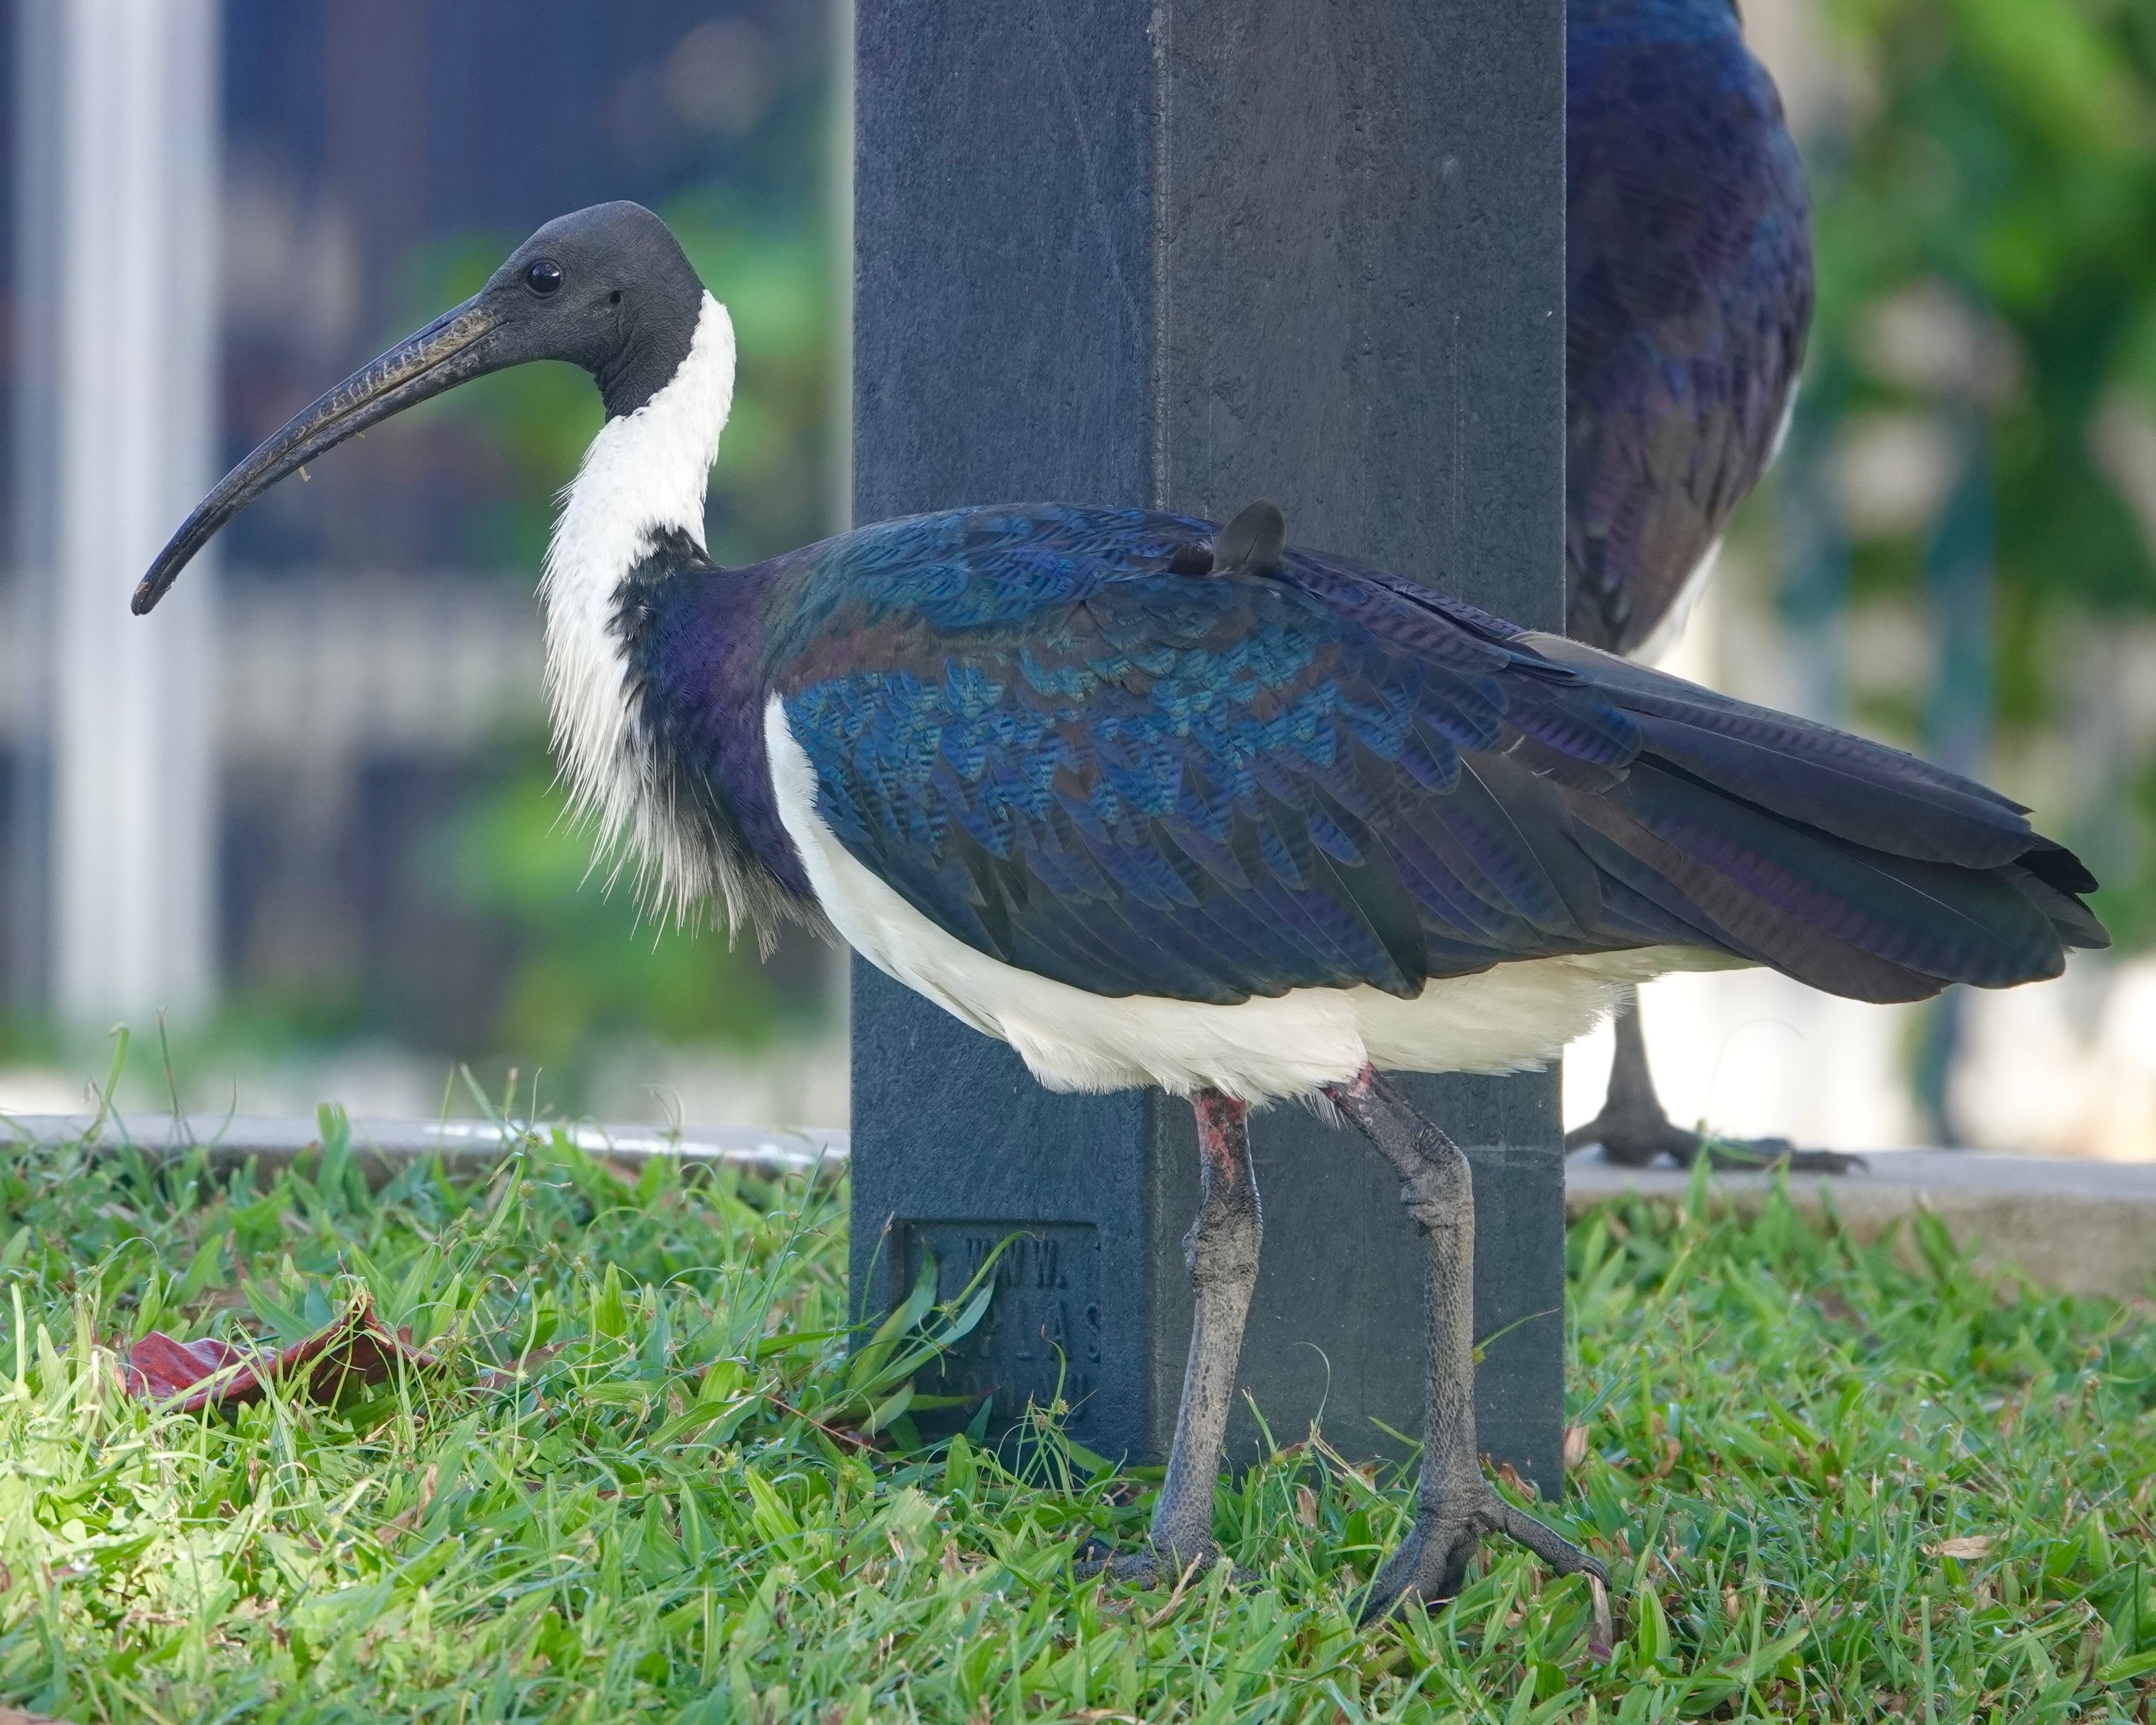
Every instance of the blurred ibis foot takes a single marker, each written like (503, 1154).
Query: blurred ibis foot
(1455, 1505)
(1636, 1131)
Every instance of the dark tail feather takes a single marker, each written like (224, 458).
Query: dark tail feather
(1880, 798)
(2072, 921)
(2058, 867)
(1853, 920)
(1853, 867)
(1690, 893)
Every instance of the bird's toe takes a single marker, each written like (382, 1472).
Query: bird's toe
(1150, 1565)
(1430, 1565)
(1635, 1138)
(1738, 1155)
(1640, 1141)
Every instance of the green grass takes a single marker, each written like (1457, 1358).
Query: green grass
(666, 1515)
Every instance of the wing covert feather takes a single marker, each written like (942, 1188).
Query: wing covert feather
(1214, 787)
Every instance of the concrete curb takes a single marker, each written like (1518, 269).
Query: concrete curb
(2083, 1227)
(381, 1146)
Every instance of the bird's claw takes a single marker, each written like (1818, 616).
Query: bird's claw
(1431, 1563)
(1150, 1566)
(1143, 1568)
(1765, 1155)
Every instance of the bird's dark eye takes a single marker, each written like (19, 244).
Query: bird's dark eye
(543, 276)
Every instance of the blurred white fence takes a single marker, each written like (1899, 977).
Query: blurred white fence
(116, 143)
(325, 668)
(316, 668)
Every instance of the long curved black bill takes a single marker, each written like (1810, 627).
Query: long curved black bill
(449, 351)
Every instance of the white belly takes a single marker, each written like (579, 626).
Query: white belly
(1665, 635)
(1503, 1020)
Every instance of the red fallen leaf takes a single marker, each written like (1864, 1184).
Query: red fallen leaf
(356, 1347)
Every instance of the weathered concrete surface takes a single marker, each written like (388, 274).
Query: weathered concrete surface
(2086, 1227)
(1184, 253)
(381, 1146)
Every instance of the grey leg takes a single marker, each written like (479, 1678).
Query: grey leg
(1222, 1251)
(1455, 1506)
(1635, 1130)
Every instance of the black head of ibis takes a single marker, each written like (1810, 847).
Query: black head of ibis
(1158, 802)
(608, 289)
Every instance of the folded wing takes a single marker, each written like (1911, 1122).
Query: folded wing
(1075, 758)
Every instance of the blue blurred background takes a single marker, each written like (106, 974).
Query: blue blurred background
(313, 817)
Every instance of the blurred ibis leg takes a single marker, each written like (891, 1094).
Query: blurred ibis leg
(1635, 1130)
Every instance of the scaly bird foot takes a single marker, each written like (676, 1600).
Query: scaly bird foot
(1150, 1566)
(1431, 1563)
(1632, 1141)
(1138, 1568)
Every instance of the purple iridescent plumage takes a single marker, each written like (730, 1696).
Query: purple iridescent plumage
(1688, 296)
(1208, 787)
(697, 648)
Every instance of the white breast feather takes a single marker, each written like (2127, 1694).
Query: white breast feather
(1665, 635)
(1507, 1019)
(644, 474)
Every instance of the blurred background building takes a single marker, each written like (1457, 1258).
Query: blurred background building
(311, 812)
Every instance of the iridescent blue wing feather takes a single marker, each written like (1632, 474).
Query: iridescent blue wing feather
(1204, 786)
(1209, 787)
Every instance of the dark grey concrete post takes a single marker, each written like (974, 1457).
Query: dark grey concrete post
(1190, 253)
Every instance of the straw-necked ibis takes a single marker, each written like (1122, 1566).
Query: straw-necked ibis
(1160, 803)
(1688, 267)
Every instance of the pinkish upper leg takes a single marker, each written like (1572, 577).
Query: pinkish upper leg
(1223, 1133)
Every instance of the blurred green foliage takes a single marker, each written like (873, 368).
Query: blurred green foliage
(591, 969)
(1998, 157)
(2011, 156)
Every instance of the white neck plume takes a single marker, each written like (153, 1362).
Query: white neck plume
(645, 473)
